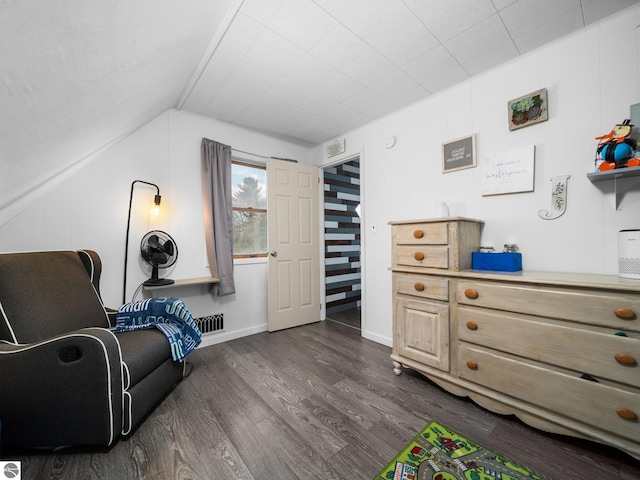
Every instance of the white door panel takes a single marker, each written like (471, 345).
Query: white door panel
(294, 291)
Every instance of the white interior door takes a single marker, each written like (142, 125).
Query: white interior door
(292, 198)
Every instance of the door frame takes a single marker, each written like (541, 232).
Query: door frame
(323, 268)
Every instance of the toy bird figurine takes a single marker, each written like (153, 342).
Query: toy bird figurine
(614, 148)
(619, 133)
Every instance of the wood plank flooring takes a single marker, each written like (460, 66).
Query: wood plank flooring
(350, 317)
(314, 402)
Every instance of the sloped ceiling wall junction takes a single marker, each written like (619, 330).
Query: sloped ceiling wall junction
(78, 75)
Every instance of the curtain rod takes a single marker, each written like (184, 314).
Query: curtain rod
(262, 156)
(248, 153)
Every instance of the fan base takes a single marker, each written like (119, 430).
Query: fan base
(157, 282)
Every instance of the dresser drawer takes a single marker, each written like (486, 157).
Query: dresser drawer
(421, 256)
(599, 354)
(615, 310)
(423, 286)
(421, 234)
(592, 403)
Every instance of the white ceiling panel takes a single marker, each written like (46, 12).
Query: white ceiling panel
(596, 10)
(275, 52)
(316, 103)
(501, 4)
(534, 23)
(445, 79)
(339, 87)
(448, 18)
(488, 34)
(340, 47)
(370, 103)
(264, 11)
(376, 20)
(432, 64)
(213, 78)
(303, 23)
(289, 92)
(342, 10)
(399, 88)
(371, 56)
(254, 74)
(369, 67)
(489, 58)
(241, 34)
(408, 43)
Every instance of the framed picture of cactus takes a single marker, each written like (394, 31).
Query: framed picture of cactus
(528, 110)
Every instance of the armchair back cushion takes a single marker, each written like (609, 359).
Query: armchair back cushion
(44, 294)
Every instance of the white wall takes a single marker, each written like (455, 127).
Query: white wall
(88, 209)
(592, 78)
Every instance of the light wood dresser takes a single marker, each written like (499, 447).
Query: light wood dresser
(560, 351)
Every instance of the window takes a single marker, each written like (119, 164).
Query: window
(249, 184)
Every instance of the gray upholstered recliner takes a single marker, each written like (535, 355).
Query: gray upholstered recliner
(66, 379)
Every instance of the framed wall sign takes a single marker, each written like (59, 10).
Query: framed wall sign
(511, 171)
(459, 154)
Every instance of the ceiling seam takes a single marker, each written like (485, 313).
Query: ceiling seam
(209, 53)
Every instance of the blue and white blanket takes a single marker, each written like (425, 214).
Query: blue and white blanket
(167, 314)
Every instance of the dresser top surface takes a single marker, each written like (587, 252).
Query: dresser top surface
(583, 280)
(436, 220)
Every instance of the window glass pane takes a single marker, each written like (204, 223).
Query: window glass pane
(249, 232)
(249, 186)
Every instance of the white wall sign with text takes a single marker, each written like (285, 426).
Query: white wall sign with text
(511, 171)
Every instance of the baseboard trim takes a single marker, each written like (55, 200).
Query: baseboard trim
(221, 337)
(377, 338)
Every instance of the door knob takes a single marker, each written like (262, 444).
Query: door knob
(273, 253)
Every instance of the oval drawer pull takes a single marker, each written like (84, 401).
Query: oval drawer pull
(472, 325)
(626, 413)
(419, 286)
(472, 365)
(418, 234)
(418, 256)
(625, 313)
(625, 359)
(471, 293)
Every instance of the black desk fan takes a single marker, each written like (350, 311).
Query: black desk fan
(159, 250)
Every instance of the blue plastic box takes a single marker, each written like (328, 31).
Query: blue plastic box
(504, 262)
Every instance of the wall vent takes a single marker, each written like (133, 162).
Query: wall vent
(210, 323)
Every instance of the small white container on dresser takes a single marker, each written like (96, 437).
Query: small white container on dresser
(560, 351)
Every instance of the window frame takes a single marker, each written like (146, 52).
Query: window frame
(235, 161)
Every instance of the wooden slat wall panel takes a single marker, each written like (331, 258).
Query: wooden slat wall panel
(342, 236)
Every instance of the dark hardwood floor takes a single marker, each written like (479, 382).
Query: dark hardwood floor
(314, 402)
(350, 318)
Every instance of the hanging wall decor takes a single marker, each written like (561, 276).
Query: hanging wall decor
(510, 171)
(528, 109)
(459, 154)
(558, 198)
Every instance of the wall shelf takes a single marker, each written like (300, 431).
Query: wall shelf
(184, 283)
(596, 177)
(613, 174)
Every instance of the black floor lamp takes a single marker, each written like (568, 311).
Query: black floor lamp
(156, 201)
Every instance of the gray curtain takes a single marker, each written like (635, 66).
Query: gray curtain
(218, 214)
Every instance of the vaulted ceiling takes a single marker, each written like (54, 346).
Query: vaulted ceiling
(77, 75)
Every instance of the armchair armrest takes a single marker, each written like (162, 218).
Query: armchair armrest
(111, 314)
(62, 391)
